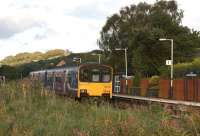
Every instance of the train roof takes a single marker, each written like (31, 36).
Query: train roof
(93, 64)
(39, 71)
(62, 69)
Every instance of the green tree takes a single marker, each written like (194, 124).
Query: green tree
(138, 28)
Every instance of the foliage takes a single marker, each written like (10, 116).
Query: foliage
(181, 69)
(20, 71)
(138, 28)
(154, 80)
(9, 72)
(25, 110)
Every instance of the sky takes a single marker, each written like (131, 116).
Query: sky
(42, 25)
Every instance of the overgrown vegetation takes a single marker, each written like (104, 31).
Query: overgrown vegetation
(182, 69)
(154, 81)
(35, 111)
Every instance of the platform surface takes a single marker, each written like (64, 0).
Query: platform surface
(186, 103)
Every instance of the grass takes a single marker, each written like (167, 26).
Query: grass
(27, 111)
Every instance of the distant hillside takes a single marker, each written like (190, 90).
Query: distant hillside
(23, 58)
(21, 65)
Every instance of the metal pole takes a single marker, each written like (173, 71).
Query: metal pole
(126, 65)
(172, 63)
(126, 69)
(99, 58)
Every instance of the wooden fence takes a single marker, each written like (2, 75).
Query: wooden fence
(183, 89)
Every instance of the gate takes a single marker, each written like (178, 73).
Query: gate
(116, 84)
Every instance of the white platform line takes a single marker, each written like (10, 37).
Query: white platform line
(187, 103)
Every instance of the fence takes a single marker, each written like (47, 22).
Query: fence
(183, 89)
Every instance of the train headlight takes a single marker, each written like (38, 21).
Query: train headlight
(83, 90)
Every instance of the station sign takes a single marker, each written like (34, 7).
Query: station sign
(168, 62)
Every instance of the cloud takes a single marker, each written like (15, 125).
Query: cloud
(10, 26)
(88, 12)
(40, 25)
(191, 10)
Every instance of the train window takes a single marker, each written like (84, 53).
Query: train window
(58, 79)
(72, 79)
(106, 75)
(85, 75)
(69, 78)
(95, 78)
(95, 74)
(106, 78)
(50, 78)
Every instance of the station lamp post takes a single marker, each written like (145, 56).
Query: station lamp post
(99, 55)
(126, 67)
(171, 61)
(77, 59)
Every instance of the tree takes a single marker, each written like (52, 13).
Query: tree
(138, 28)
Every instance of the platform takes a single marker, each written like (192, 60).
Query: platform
(160, 100)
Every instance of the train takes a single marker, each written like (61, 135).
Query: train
(84, 80)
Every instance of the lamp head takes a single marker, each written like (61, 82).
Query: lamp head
(118, 49)
(162, 39)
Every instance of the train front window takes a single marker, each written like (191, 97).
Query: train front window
(95, 74)
(106, 76)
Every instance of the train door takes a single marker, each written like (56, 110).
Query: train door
(59, 81)
(50, 80)
(72, 83)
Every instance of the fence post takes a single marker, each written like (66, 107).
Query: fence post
(54, 83)
(23, 89)
(4, 80)
(64, 91)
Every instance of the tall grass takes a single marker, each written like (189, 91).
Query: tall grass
(28, 111)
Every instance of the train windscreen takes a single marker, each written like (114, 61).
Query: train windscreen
(95, 74)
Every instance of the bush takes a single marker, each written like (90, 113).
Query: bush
(181, 69)
(154, 80)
